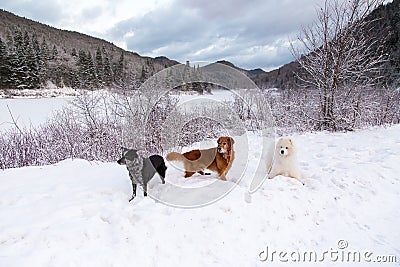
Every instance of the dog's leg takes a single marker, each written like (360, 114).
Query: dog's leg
(133, 191)
(188, 174)
(161, 173)
(222, 176)
(273, 172)
(145, 189)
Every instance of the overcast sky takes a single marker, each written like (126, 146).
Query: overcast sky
(249, 33)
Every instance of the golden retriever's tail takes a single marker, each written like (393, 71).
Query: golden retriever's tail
(175, 156)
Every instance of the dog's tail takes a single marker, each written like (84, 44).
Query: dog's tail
(175, 156)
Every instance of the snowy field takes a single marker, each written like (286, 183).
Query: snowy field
(76, 213)
(216, 95)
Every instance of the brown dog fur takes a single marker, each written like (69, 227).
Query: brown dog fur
(218, 159)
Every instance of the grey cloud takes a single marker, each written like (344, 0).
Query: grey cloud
(185, 30)
(258, 58)
(91, 13)
(207, 30)
(45, 11)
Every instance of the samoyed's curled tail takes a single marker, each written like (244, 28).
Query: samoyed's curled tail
(175, 156)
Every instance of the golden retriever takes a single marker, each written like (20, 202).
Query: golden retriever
(218, 159)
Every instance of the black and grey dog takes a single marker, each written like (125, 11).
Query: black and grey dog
(140, 169)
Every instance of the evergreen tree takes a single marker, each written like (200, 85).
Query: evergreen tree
(44, 50)
(82, 66)
(87, 72)
(187, 76)
(37, 72)
(42, 62)
(73, 79)
(10, 52)
(3, 64)
(99, 67)
(54, 52)
(108, 76)
(119, 70)
(39, 65)
(16, 59)
(9, 40)
(91, 73)
(31, 61)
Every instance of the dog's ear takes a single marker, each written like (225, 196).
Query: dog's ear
(219, 140)
(290, 141)
(232, 141)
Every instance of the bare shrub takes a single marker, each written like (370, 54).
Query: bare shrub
(75, 132)
(340, 59)
(296, 110)
(252, 107)
(95, 126)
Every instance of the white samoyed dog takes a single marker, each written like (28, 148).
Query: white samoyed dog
(282, 159)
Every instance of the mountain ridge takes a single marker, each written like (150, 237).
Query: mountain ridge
(142, 67)
(66, 45)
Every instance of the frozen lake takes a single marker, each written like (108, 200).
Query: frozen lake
(35, 111)
(29, 111)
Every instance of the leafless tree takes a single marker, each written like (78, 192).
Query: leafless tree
(340, 59)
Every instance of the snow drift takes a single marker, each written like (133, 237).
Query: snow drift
(76, 213)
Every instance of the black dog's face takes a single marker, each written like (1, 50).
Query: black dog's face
(127, 154)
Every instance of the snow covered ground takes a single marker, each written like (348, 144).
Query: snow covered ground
(76, 213)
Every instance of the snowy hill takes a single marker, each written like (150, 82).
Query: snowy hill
(76, 213)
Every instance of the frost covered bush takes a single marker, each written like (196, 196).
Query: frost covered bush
(57, 140)
(143, 115)
(74, 132)
(298, 110)
(95, 126)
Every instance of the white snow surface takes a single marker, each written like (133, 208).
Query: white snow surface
(76, 213)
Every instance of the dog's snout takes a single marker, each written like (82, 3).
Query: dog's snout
(282, 152)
